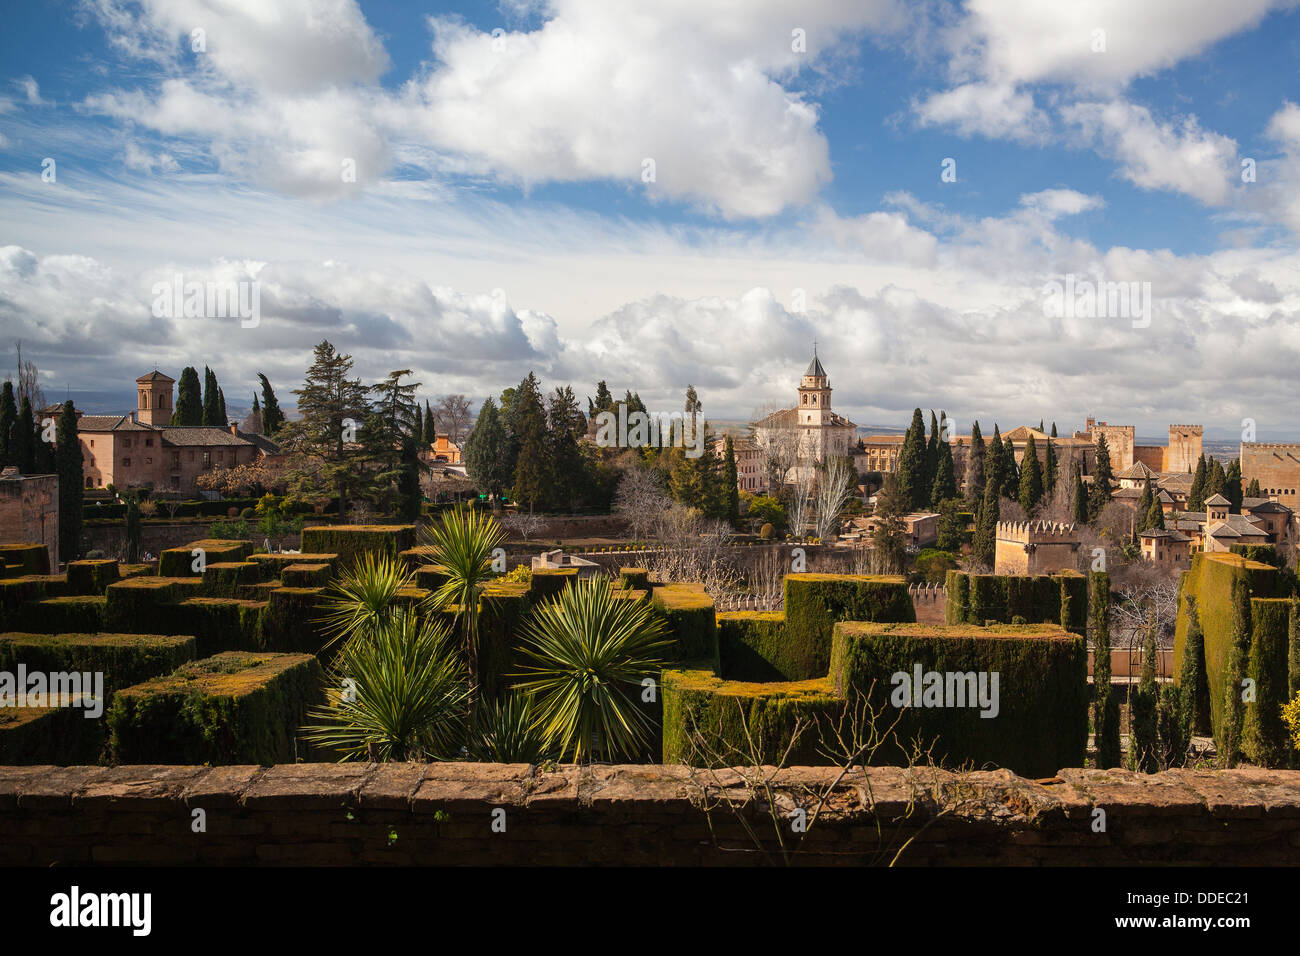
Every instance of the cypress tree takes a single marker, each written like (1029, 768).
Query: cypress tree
(1232, 486)
(486, 452)
(975, 462)
(189, 399)
(1011, 475)
(221, 407)
(1101, 481)
(1252, 490)
(22, 443)
(272, 416)
(71, 484)
(211, 399)
(132, 528)
(1194, 691)
(994, 470)
(1144, 744)
(528, 421)
(984, 547)
(1053, 429)
(1144, 507)
(1050, 470)
(1030, 490)
(731, 481)
(1155, 518)
(409, 498)
(1215, 478)
(931, 454)
(430, 434)
(1079, 498)
(1040, 426)
(1105, 711)
(911, 465)
(1196, 497)
(945, 477)
(1238, 651)
(8, 416)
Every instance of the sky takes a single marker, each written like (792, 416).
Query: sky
(669, 194)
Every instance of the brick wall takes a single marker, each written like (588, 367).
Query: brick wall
(405, 814)
(29, 512)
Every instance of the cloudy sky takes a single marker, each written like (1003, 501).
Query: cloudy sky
(657, 194)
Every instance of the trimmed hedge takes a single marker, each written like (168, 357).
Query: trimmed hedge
(753, 646)
(705, 719)
(1041, 721)
(546, 583)
(635, 579)
(306, 575)
(687, 613)
(292, 619)
(429, 577)
(351, 541)
(135, 603)
(179, 562)
(272, 565)
(815, 603)
(234, 708)
(221, 624)
(91, 576)
(79, 614)
(1060, 599)
(15, 592)
(123, 659)
(25, 558)
(1264, 737)
(224, 578)
(1209, 580)
(34, 736)
(502, 608)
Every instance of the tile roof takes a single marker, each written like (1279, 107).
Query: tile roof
(201, 435)
(155, 376)
(815, 367)
(1217, 500)
(1136, 470)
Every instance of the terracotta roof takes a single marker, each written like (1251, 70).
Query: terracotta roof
(1264, 506)
(1217, 500)
(156, 376)
(1136, 470)
(1022, 434)
(202, 435)
(111, 423)
(883, 439)
(1164, 533)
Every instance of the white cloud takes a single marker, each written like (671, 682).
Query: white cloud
(988, 109)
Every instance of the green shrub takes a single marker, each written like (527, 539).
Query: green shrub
(753, 646)
(221, 624)
(224, 578)
(81, 614)
(25, 558)
(132, 605)
(91, 576)
(306, 575)
(49, 735)
(234, 708)
(814, 603)
(687, 613)
(123, 659)
(272, 565)
(351, 541)
(293, 620)
(546, 583)
(179, 562)
(1263, 736)
(637, 579)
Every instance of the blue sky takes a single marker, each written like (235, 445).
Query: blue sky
(500, 221)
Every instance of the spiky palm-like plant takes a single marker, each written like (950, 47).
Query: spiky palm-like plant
(364, 596)
(402, 692)
(506, 731)
(590, 651)
(462, 543)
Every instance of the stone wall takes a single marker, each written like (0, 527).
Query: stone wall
(158, 536)
(1277, 468)
(459, 813)
(29, 511)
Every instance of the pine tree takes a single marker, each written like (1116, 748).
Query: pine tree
(1078, 497)
(71, 484)
(8, 416)
(1011, 475)
(975, 463)
(1051, 469)
(567, 478)
(731, 481)
(1196, 497)
(1030, 490)
(1232, 486)
(393, 417)
(945, 477)
(211, 400)
(1105, 711)
(22, 442)
(888, 542)
(189, 399)
(528, 425)
(604, 401)
(1101, 481)
(911, 465)
(272, 416)
(487, 452)
(1144, 507)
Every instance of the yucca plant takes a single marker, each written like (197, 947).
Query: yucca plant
(364, 596)
(506, 731)
(402, 692)
(589, 653)
(462, 543)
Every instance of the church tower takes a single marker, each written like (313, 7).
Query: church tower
(815, 396)
(155, 398)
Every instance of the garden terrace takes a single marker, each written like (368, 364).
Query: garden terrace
(1018, 599)
(179, 562)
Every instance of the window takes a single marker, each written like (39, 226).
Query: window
(126, 443)
(148, 443)
(126, 462)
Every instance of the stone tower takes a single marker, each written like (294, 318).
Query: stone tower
(815, 407)
(155, 398)
(1184, 448)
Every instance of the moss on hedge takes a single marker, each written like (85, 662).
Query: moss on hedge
(234, 708)
(25, 558)
(221, 624)
(688, 616)
(70, 614)
(224, 578)
(135, 603)
(91, 576)
(306, 575)
(753, 646)
(502, 608)
(123, 659)
(546, 583)
(635, 579)
(1041, 721)
(49, 735)
(293, 619)
(271, 566)
(351, 541)
(179, 562)
(814, 603)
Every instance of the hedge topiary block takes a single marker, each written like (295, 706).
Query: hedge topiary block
(636, 579)
(86, 613)
(430, 577)
(815, 602)
(221, 624)
(261, 591)
(125, 571)
(711, 722)
(234, 708)
(548, 582)
(123, 659)
(293, 619)
(136, 602)
(755, 646)
(1041, 719)
(689, 620)
(305, 575)
(25, 558)
(33, 736)
(502, 609)
(224, 578)
(978, 599)
(272, 565)
(351, 541)
(412, 559)
(15, 592)
(91, 576)
(179, 562)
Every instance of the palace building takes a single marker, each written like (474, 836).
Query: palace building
(808, 434)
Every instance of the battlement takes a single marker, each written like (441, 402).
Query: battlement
(1037, 532)
(1252, 445)
(1189, 429)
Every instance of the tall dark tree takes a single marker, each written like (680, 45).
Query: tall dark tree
(429, 431)
(409, 498)
(1229, 737)
(567, 479)
(731, 486)
(1011, 474)
(528, 427)
(1144, 743)
(221, 407)
(945, 477)
(1252, 490)
(487, 452)
(1232, 489)
(327, 456)
(994, 466)
(975, 465)
(1053, 429)
(22, 442)
(888, 535)
(133, 533)
(211, 399)
(1216, 479)
(604, 401)
(394, 416)
(984, 547)
(1030, 491)
(1155, 518)
(272, 416)
(911, 465)
(1078, 497)
(8, 416)
(931, 454)
(1196, 497)
(189, 399)
(1051, 470)
(1144, 506)
(1101, 480)
(1105, 711)
(71, 484)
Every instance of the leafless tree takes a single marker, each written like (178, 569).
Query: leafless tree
(694, 549)
(29, 382)
(452, 415)
(524, 524)
(800, 508)
(779, 445)
(641, 500)
(835, 485)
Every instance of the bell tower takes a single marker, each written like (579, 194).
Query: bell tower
(815, 395)
(154, 399)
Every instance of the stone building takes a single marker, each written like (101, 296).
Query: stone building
(1178, 457)
(141, 450)
(1276, 466)
(809, 433)
(751, 475)
(1035, 547)
(29, 511)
